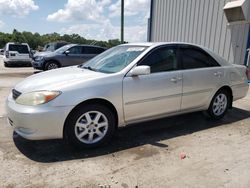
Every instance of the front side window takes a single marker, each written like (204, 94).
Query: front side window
(63, 48)
(161, 60)
(193, 59)
(75, 50)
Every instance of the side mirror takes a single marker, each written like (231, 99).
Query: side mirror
(140, 70)
(66, 52)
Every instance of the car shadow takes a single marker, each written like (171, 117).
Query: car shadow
(37, 71)
(128, 137)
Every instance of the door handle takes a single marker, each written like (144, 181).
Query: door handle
(179, 78)
(217, 74)
(175, 79)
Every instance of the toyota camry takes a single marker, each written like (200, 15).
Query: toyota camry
(130, 83)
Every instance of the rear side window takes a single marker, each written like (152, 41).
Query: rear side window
(92, 50)
(21, 49)
(194, 58)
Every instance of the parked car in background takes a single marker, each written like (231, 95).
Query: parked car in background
(126, 84)
(52, 46)
(68, 55)
(1, 51)
(17, 54)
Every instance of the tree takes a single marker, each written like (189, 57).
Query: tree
(35, 40)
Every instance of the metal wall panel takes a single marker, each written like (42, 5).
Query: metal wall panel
(201, 22)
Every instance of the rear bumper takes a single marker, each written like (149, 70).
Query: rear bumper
(240, 90)
(17, 62)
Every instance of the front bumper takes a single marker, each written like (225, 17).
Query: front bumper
(36, 122)
(37, 64)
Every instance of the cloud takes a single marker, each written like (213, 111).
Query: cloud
(99, 14)
(79, 10)
(106, 31)
(1, 24)
(17, 8)
(131, 8)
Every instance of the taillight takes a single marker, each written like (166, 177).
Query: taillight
(247, 72)
(7, 54)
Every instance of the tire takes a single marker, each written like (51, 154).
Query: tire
(89, 126)
(6, 64)
(51, 65)
(219, 105)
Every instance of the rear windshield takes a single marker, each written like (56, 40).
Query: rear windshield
(21, 49)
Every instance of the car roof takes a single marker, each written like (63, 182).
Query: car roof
(217, 57)
(149, 44)
(87, 45)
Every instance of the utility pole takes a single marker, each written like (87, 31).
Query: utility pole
(122, 21)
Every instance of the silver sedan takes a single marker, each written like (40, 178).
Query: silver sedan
(126, 84)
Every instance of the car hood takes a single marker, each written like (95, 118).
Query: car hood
(42, 53)
(57, 79)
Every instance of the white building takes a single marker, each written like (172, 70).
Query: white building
(221, 25)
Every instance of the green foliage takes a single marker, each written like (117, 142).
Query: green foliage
(37, 41)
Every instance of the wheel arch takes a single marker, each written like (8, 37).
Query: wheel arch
(98, 101)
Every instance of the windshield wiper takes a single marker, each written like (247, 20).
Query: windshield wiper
(89, 68)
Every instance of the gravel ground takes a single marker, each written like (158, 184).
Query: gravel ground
(215, 153)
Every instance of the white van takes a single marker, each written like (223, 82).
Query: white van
(17, 54)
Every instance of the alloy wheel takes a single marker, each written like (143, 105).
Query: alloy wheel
(91, 127)
(220, 104)
(52, 66)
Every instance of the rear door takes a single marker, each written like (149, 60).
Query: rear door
(155, 94)
(19, 52)
(201, 77)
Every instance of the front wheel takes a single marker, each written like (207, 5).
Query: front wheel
(219, 105)
(90, 126)
(51, 65)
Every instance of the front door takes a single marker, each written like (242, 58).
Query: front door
(155, 94)
(73, 57)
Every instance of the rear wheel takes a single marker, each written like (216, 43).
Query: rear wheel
(51, 65)
(219, 105)
(90, 126)
(6, 64)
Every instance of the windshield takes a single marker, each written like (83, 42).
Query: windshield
(114, 59)
(64, 48)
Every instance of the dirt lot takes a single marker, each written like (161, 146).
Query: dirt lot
(143, 155)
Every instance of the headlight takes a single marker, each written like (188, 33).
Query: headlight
(36, 98)
(39, 58)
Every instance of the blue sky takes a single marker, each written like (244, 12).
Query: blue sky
(92, 19)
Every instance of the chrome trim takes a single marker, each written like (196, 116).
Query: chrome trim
(197, 92)
(152, 99)
(239, 85)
